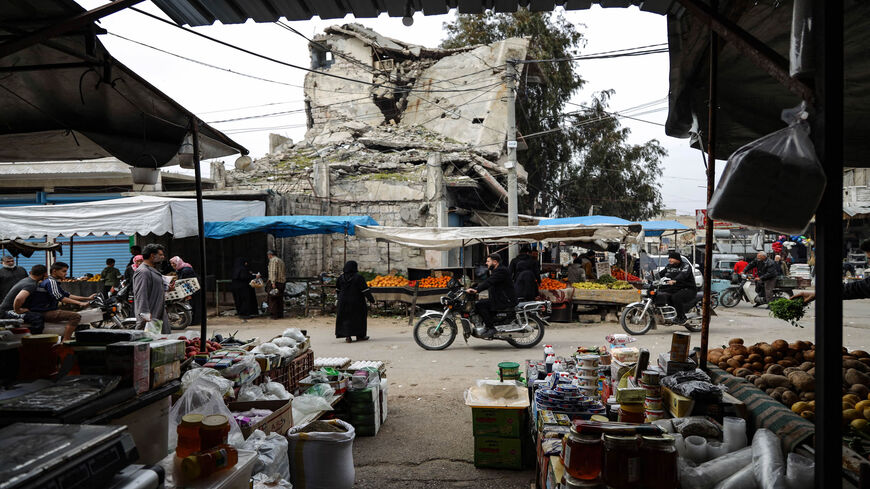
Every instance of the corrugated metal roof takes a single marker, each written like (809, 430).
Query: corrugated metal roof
(206, 12)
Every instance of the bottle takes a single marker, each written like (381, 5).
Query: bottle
(548, 350)
(557, 367)
(551, 359)
(188, 435)
(205, 463)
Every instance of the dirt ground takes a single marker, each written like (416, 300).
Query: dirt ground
(427, 441)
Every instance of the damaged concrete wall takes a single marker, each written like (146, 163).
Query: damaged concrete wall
(366, 149)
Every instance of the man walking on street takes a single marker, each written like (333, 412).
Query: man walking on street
(48, 296)
(15, 303)
(10, 275)
(149, 289)
(276, 285)
(766, 271)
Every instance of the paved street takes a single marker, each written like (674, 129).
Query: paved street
(427, 441)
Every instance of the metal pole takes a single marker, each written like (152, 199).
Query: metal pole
(511, 163)
(389, 268)
(200, 226)
(827, 34)
(711, 182)
(71, 256)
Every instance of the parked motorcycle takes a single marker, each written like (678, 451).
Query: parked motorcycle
(523, 327)
(180, 311)
(639, 317)
(744, 290)
(111, 310)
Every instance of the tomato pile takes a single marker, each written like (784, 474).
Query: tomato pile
(621, 275)
(552, 284)
(388, 281)
(191, 346)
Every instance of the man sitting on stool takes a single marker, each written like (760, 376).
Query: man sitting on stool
(16, 304)
(49, 294)
(501, 293)
(679, 284)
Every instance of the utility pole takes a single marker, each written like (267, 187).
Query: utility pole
(511, 163)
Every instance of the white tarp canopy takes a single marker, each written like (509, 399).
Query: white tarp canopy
(449, 238)
(142, 214)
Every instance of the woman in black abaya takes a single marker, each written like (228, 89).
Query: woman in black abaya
(352, 311)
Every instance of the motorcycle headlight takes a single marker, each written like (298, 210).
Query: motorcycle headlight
(444, 301)
(644, 292)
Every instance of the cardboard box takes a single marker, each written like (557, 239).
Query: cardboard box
(365, 410)
(279, 421)
(164, 374)
(498, 453)
(679, 406)
(507, 423)
(132, 361)
(166, 351)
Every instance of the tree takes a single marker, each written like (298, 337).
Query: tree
(581, 159)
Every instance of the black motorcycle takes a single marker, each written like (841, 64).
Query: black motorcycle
(639, 317)
(743, 289)
(180, 311)
(522, 327)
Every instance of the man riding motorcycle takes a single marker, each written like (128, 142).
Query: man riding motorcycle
(501, 293)
(767, 271)
(678, 286)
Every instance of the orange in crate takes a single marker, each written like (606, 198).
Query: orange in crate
(434, 282)
(388, 281)
(551, 284)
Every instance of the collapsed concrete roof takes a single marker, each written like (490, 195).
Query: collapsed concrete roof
(394, 104)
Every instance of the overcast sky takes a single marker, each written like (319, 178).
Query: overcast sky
(217, 95)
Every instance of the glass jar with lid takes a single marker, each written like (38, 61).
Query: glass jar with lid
(622, 463)
(658, 462)
(582, 454)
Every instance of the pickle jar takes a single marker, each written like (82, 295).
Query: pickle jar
(581, 455)
(622, 463)
(658, 462)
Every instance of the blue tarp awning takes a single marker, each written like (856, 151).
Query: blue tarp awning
(650, 228)
(584, 220)
(287, 226)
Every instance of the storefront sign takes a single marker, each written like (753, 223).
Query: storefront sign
(701, 221)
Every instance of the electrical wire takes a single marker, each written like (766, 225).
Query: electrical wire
(617, 53)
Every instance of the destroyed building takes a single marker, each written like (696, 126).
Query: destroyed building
(418, 140)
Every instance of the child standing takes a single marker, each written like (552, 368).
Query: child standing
(110, 276)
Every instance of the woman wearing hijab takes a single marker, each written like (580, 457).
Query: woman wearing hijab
(352, 294)
(244, 296)
(185, 270)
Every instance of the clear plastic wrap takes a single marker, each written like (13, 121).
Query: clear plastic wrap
(295, 334)
(708, 474)
(775, 182)
(306, 405)
(223, 385)
(322, 390)
(800, 472)
(743, 479)
(767, 460)
(202, 396)
(272, 457)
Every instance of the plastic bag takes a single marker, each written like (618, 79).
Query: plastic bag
(775, 182)
(244, 371)
(224, 386)
(322, 460)
(262, 481)
(306, 405)
(697, 426)
(257, 283)
(767, 461)
(295, 334)
(799, 472)
(743, 479)
(271, 451)
(202, 396)
(274, 390)
(708, 474)
(251, 392)
(694, 384)
(322, 390)
(285, 342)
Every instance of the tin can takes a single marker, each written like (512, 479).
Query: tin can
(654, 415)
(651, 377)
(680, 346)
(653, 403)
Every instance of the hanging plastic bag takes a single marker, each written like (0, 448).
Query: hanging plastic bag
(271, 451)
(202, 397)
(257, 283)
(775, 182)
(322, 459)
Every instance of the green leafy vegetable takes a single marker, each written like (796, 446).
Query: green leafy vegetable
(606, 279)
(791, 310)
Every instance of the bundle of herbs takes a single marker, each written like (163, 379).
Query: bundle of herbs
(791, 310)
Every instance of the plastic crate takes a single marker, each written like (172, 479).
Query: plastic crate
(300, 367)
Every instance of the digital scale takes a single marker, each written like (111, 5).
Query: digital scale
(65, 456)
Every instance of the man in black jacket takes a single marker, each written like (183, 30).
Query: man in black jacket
(766, 271)
(679, 284)
(501, 293)
(526, 274)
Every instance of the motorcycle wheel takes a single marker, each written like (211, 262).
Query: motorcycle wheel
(179, 316)
(781, 294)
(692, 326)
(729, 298)
(430, 337)
(632, 323)
(530, 339)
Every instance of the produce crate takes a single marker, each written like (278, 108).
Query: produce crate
(606, 296)
(300, 367)
(787, 282)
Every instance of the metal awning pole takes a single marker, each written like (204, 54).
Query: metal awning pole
(711, 182)
(827, 134)
(200, 226)
(71, 256)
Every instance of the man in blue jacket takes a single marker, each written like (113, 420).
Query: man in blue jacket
(501, 293)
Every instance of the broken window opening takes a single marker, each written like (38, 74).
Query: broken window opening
(309, 117)
(320, 57)
(477, 120)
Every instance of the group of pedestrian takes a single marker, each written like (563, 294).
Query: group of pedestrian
(244, 293)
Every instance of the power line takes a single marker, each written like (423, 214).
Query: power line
(617, 53)
(291, 65)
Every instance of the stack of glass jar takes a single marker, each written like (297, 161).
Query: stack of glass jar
(619, 456)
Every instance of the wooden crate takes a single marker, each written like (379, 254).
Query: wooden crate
(605, 296)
